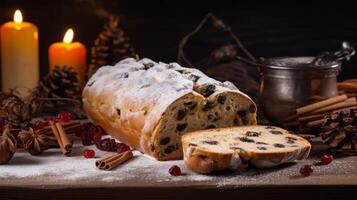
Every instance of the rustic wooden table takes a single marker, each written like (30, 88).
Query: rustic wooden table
(53, 176)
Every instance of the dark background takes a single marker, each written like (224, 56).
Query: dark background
(267, 28)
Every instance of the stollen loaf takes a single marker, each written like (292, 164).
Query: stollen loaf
(150, 105)
(218, 149)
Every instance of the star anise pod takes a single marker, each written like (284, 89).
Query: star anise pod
(33, 141)
(7, 146)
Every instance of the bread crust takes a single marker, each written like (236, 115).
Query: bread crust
(135, 117)
(196, 157)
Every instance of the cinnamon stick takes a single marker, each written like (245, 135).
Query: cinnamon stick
(69, 127)
(321, 104)
(62, 139)
(348, 103)
(351, 94)
(354, 80)
(113, 161)
(315, 123)
(348, 87)
(311, 117)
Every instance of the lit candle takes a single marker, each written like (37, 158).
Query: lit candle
(70, 54)
(19, 55)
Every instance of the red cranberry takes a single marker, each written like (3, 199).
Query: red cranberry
(97, 136)
(326, 159)
(121, 147)
(64, 116)
(40, 124)
(306, 170)
(175, 170)
(89, 153)
(87, 138)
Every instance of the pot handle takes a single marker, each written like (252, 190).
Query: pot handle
(346, 52)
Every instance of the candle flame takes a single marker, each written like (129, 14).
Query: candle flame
(68, 37)
(18, 16)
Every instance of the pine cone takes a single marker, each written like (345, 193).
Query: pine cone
(13, 109)
(61, 82)
(110, 47)
(7, 146)
(339, 131)
(34, 142)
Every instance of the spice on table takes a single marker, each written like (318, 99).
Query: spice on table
(33, 141)
(70, 127)
(310, 118)
(113, 161)
(7, 146)
(62, 138)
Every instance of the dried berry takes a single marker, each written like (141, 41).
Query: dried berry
(306, 170)
(242, 113)
(175, 170)
(97, 136)
(326, 159)
(262, 148)
(208, 105)
(269, 127)
(40, 125)
(89, 153)
(164, 141)
(191, 105)
(118, 111)
(64, 117)
(252, 134)
(252, 108)
(148, 65)
(263, 143)
(181, 114)
(210, 126)
(111, 145)
(87, 138)
(277, 145)
(221, 99)
(276, 132)
(245, 139)
(121, 147)
(211, 142)
(107, 144)
(193, 77)
(170, 149)
(181, 127)
(208, 90)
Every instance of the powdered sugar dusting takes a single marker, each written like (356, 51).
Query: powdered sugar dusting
(54, 170)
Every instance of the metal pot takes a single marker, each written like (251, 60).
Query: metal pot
(291, 82)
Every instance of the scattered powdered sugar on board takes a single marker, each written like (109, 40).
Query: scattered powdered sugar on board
(55, 170)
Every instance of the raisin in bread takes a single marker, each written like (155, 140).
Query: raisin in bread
(223, 148)
(150, 105)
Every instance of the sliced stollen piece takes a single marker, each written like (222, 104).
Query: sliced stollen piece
(149, 105)
(218, 149)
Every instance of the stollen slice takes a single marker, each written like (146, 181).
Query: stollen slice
(218, 149)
